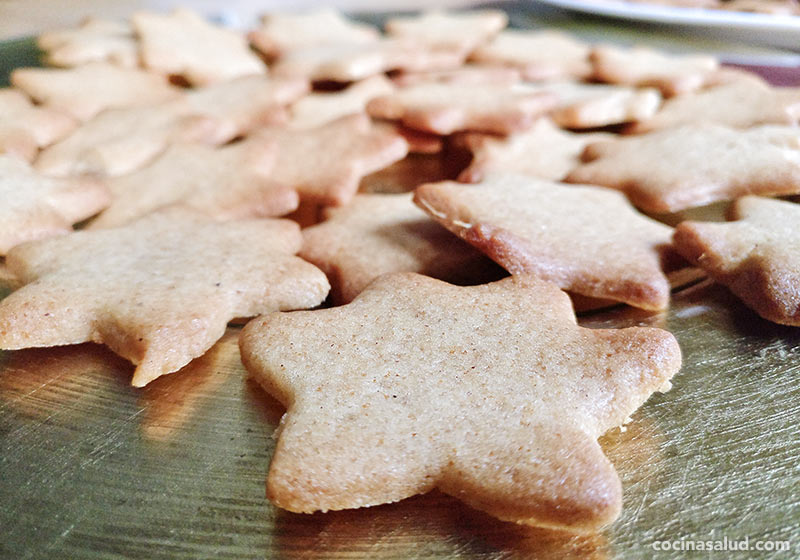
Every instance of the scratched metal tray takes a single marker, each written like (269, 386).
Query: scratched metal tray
(93, 468)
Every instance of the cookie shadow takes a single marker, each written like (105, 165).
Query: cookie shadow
(430, 525)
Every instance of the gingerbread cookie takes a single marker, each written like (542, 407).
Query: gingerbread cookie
(35, 206)
(317, 109)
(185, 44)
(24, 128)
(544, 151)
(739, 104)
(325, 164)
(489, 393)
(538, 55)
(588, 240)
(119, 141)
(94, 40)
(380, 233)
(159, 291)
(757, 256)
(597, 105)
(85, 91)
(694, 165)
(281, 33)
(446, 108)
(232, 182)
(457, 31)
(672, 74)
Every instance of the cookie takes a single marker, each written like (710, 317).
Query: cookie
(490, 393)
(468, 74)
(325, 164)
(443, 108)
(597, 105)
(232, 182)
(158, 292)
(588, 240)
(740, 104)
(85, 91)
(757, 256)
(94, 40)
(694, 165)
(119, 141)
(24, 128)
(544, 151)
(538, 55)
(35, 206)
(246, 103)
(281, 33)
(449, 30)
(317, 109)
(672, 74)
(381, 233)
(348, 62)
(185, 44)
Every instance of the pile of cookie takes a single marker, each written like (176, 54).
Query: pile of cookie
(215, 176)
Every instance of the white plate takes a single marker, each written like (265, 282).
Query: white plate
(775, 30)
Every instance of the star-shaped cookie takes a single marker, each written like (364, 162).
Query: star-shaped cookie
(159, 291)
(490, 393)
(281, 33)
(85, 91)
(231, 182)
(444, 108)
(380, 233)
(757, 256)
(740, 104)
(184, 44)
(458, 31)
(544, 151)
(640, 66)
(317, 109)
(94, 40)
(24, 127)
(35, 206)
(538, 55)
(246, 103)
(597, 105)
(586, 239)
(693, 165)
(325, 164)
(119, 141)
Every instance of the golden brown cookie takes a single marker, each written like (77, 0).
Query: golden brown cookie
(119, 141)
(639, 66)
(588, 240)
(739, 104)
(94, 40)
(232, 182)
(85, 91)
(449, 30)
(24, 128)
(325, 164)
(159, 291)
(281, 33)
(380, 233)
(444, 108)
(489, 393)
(34, 206)
(185, 44)
(544, 151)
(538, 55)
(597, 105)
(694, 165)
(757, 256)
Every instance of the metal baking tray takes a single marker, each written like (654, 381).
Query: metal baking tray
(93, 468)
